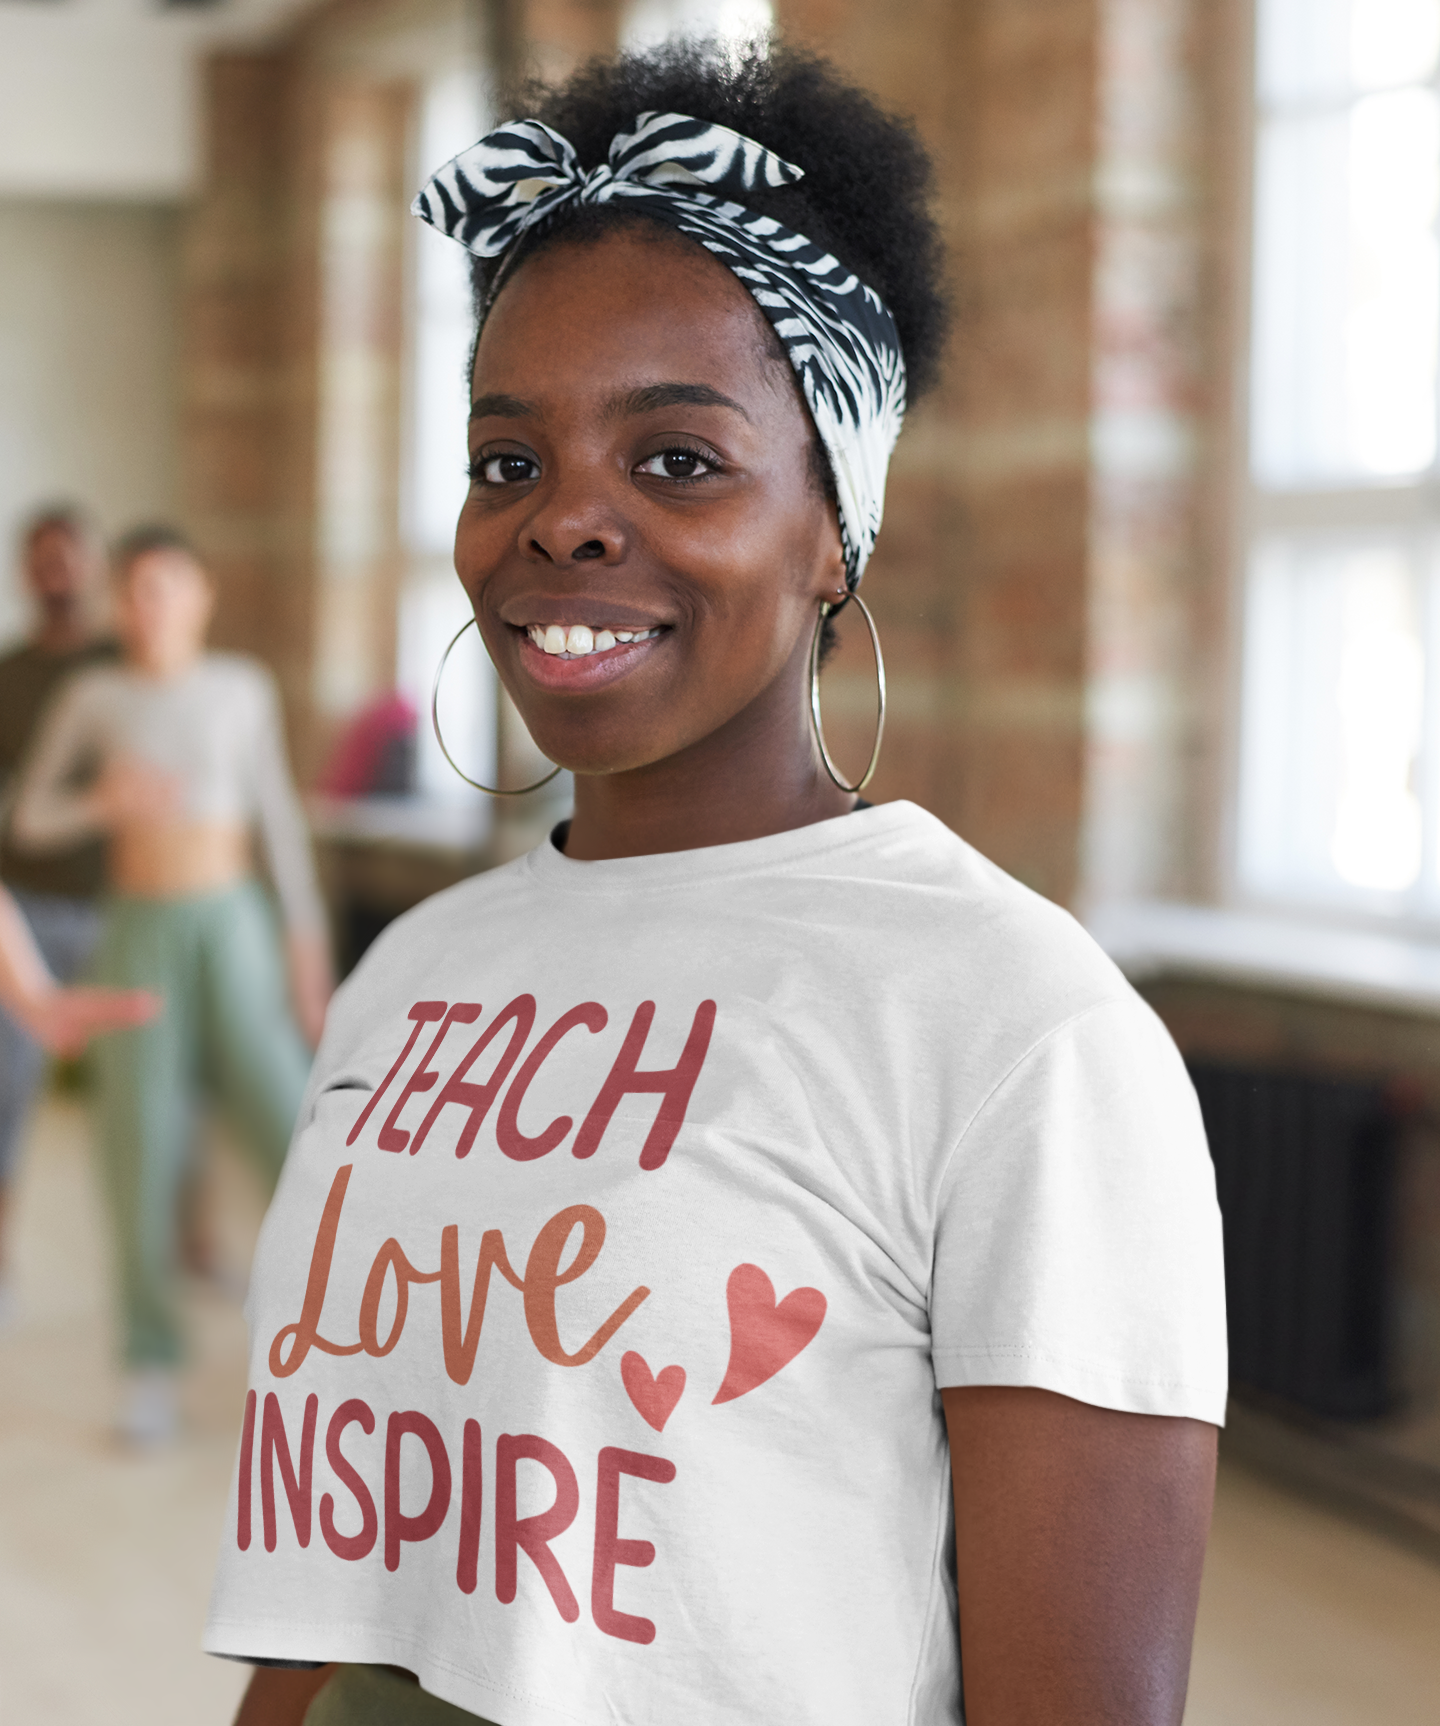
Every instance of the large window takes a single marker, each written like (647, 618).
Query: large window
(1340, 756)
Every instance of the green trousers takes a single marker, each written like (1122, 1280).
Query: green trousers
(226, 1028)
(375, 1696)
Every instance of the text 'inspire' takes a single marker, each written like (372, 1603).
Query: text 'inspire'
(513, 1533)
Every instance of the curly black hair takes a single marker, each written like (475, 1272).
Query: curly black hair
(866, 192)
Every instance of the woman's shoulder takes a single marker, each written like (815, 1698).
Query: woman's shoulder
(935, 901)
(937, 931)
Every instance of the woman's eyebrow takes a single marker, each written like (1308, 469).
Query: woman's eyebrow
(502, 407)
(652, 396)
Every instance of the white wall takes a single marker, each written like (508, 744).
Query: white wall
(88, 313)
(100, 98)
(107, 111)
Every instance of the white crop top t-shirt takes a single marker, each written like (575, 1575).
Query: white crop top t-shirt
(215, 728)
(637, 1213)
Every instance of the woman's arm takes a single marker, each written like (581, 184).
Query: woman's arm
(1079, 1537)
(61, 1020)
(292, 868)
(49, 812)
(280, 1697)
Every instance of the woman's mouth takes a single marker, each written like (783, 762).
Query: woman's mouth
(579, 641)
(577, 657)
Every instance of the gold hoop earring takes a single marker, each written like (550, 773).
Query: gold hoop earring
(825, 609)
(490, 790)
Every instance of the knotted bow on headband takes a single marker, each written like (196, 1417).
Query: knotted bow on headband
(837, 333)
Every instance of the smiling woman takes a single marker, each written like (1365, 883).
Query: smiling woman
(618, 498)
(827, 1281)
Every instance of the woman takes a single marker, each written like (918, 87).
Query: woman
(62, 1021)
(774, 1158)
(175, 756)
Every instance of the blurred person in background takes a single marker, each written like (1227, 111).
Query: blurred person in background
(62, 566)
(61, 1020)
(189, 760)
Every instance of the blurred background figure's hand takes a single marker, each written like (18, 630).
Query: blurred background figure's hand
(64, 1020)
(60, 1020)
(131, 792)
(312, 981)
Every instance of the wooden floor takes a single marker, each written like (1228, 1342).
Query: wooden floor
(105, 1558)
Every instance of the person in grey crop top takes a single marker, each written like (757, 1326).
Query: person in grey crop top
(201, 746)
(175, 758)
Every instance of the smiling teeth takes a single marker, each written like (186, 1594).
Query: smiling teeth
(580, 640)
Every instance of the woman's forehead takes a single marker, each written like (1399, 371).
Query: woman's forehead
(626, 306)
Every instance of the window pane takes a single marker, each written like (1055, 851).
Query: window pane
(1393, 41)
(1302, 246)
(1347, 292)
(646, 22)
(1394, 281)
(1302, 49)
(1347, 271)
(1324, 50)
(1333, 711)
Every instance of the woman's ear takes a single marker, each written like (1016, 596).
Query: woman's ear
(829, 581)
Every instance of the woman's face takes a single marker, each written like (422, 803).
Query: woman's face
(641, 468)
(163, 603)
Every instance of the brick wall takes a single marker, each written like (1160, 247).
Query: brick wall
(1052, 583)
(243, 498)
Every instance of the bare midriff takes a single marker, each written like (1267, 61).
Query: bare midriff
(171, 860)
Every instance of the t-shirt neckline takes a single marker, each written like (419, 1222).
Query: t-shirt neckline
(715, 862)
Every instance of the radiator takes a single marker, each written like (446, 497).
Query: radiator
(1305, 1168)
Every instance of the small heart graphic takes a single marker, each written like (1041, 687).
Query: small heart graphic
(764, 1335)
(654, 1394)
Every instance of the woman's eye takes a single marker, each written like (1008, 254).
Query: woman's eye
(505, 469)
(677, 464)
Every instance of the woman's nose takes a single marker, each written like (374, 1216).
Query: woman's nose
(561, 547)
(574, 524)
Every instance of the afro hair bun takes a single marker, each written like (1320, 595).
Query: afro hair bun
(866, 192)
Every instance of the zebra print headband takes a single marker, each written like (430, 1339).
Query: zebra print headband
(837, 333)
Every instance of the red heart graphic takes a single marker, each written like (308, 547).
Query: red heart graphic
(764, 1335)
(654, 1394)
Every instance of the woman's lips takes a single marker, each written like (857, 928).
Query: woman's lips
(586, 671)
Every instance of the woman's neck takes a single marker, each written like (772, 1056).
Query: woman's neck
(757, 775)
(163, 666)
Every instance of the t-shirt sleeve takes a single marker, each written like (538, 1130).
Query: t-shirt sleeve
(1078, 1240)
